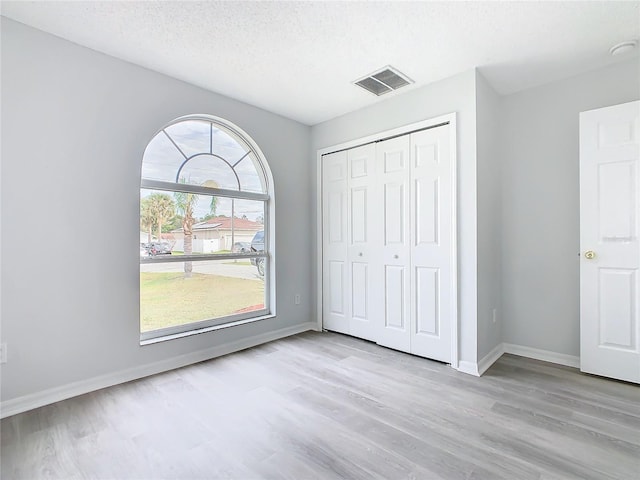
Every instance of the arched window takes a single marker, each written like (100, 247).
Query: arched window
(204, 230)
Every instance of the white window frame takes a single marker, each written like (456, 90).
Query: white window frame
(268, 254)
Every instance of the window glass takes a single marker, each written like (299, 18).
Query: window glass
(212, 203)
(191, 137)
(227, 146)
(215, 289)
(216, 224)
(250, 180)
(251, 210)
(161, 159)
(208, 168)
(199, 152)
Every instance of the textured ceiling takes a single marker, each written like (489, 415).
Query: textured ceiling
(298, 59)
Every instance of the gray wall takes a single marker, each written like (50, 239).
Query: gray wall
(456, 94)
(489, 163)
(74, 126)
(540, 213)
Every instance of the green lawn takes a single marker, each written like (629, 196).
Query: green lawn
(168, 299)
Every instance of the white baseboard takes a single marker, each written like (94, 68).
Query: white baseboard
(477, 369)
(490, 358)
(56, 394)
(544, 355)
(470, 368)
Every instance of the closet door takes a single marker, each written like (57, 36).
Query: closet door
(335, 304)
(363, 236)
(393, 180)
(431, 243)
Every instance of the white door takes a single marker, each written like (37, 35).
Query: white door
(335, 305)
(363, 239)
(432, 218)
(610, 250)
(394, 263)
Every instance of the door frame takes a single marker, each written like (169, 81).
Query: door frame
(450, 119)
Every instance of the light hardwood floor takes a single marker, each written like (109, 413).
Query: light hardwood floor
(324, 406)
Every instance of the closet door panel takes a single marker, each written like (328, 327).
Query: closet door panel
(394, 213)
(337, 288)
(427, 209)
(427, 300)
(361, 251)
(393, 259)
(335, 277)
(394, 289)
(431, 243)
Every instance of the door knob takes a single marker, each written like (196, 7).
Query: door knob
(395, 256)
(360, 254)
(589, 254)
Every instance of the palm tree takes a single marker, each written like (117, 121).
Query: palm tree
(162, 208)
(146, 218)
(213, 205)
(185, 202)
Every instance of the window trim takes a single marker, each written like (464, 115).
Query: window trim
(262, 167)
(199, 190)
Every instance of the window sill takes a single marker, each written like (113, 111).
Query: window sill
(198, 331)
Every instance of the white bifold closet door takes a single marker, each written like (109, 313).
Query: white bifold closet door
(362, 253)
(393, 166)
(432, 244)
(388, 243)
(348, 242)
(335, 311)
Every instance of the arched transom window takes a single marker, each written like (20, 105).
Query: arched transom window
(204, 240)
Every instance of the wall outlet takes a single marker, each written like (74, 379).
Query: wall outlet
(3, 353)
(495, 315)
(296, 299)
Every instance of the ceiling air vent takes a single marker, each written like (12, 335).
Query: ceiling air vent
(383, 81)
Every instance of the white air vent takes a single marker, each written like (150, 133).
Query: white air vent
(383, 81)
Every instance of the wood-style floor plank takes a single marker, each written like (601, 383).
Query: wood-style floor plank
(329, 406)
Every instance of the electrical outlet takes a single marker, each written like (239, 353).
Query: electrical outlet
(495, 315)
(3, 353)
(297, 299)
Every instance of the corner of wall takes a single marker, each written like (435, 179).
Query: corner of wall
(489, 221)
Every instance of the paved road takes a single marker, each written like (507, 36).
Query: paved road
(225, 268)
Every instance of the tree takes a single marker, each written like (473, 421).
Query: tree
(185, 203)
(173, 224)
(162, 209)
(213, 206)
(146, 218)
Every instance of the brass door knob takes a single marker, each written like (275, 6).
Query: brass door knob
(589, 254)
